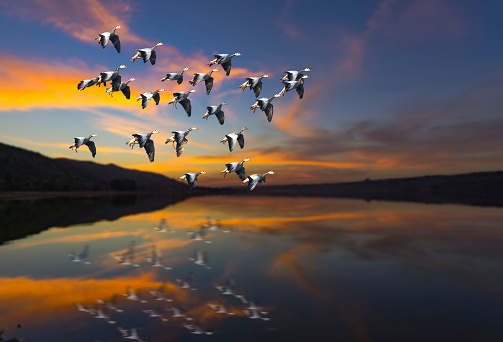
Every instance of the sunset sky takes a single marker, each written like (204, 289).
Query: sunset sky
(397, 88)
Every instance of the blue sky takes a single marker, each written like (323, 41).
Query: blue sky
(397, 88)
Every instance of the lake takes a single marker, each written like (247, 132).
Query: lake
(248, 268)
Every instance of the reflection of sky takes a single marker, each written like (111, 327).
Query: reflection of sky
(396, 88)
(369, 271)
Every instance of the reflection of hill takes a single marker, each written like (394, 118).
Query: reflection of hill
(23, 218)
(24, 170)
(482, 188)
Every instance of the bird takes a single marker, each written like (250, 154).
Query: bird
(220, 308)
(293, 75)
(104, 315)
(187, 283)
(191, 178)
(155, 313)
(132, 295)
(147, 96)
(111, 76)
(232, 138)
(127, 257)
(180, 138)
(148, 54)
(255, 179)
(179, 312)
(200, 258)
(133, 335)
(88, 83)
(208, 80)
(124, 87)
(291, 85)
(255, 84)
(114, 38)
(173, 76)
(217, 111)
(163, 227)
(143, 139)
(265, 104)
(236, 167)
(197, 330)
(224, 60)
(183, 99)
(255, 314)
(155, 259)
(79, 141)
(80, 257)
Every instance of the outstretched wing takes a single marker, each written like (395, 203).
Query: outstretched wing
(231, 140)
(117, 43)
(145, 54)
(116, 83)
(187, 106)
(127, 92)
(180, 79)
(209, 85)
(268, 112)
(253, 181)
(241, 140)
(180, 147)
(157, 98)
(220, 116)
(145, 101)
(258, 88)
(198, 77)
(92, 147)
(227, 67)
(149, 148)
(241, 173)
(300, 90)
(103, 40)
(142, 139)
(153, 57)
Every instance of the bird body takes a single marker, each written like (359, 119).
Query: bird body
(148, 54)
(143, 139)
(217, 111)
(255, 84)
(255, 179)
(88, 83)
(79, 141)
(191, 178)
(114, 38)
(206, 77)
(182, 98)
(149, 95)
(232, 138)
(265, 104)
(180, 138)
(173, 76)
(224, 60)
(236, 167)
(124, 87)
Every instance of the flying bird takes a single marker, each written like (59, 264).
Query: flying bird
(224, 60)
(217, 111)
(236, 167)
(173, 76)
(191, 178)
(255, 179)
(148, 54)
(124, 87)
(149, 95)
(293, 75)
(208, 80)
(180, 138)
(297, 85)
(255, 84)
(80, 257)
(232, 138)
(79, 141)
(143, 139)
(114, 38)
(111, 76)
(265, 104)
(200, 258)
(182, 98)
(88, 83)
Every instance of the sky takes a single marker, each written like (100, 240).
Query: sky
(396, 88)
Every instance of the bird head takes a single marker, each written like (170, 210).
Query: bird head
(122, 66)
(192, 91)
(306, 69)
(276, 95)
(269, 172)
(158, 44)
(236, 54)
(185, 69)
(246, 159)
(132, 79)
(154, 131)
(244, 129)
(162, 89)
(223, 103)
(214, 70)
(94, 135)
(265, 75)
(117, 27)
(305, 76)
(202, 172)
(193, 128)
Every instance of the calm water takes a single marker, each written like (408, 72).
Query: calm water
(331, 269)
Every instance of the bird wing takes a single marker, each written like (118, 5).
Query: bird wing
(257, 88)
(153, 57)
(117, 43)
(142, 139)
(253, 181)
(220, 56)
(145, 100)
(79, 141)
(157, 98)
(83, 84)
(241, 172)
(103, 40)
(227, 67)
(231, 139)
(268, 112)
(92, 147)
(300, 90)
(116, 83)
(220, 116)
(187, 106)
(145, 54)
(198, 77)
(209, 84)
(127, 92)
(241, 140)
(231, 167)
(149, 148)
(180, 79)
(291, 75)
(180, 147)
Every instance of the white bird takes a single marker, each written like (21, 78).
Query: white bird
(191, 178)
(255, 179)
(297, 85)
(217, 111)
(200, 258)
(104, 315)
(148, 54)
(255, 314)
(182, 98)
(173, 76)
(111, 76)
(206, 77)
(180, 138)
(232, 138)
(197, 330)
(80, 257)
(179, 312)
(88, 83)
(149, 95)
(133, 335)
(163, 227)
(255, 84)
(236, 167)
(154, 313)
(124, 87)
(143, 139)
(79, 141)
(114, 38)
(132, 295)
(224, 60)
(265, 105)
(187, 283)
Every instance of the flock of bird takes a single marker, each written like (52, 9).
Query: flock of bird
(293, 80)
(167, 304)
